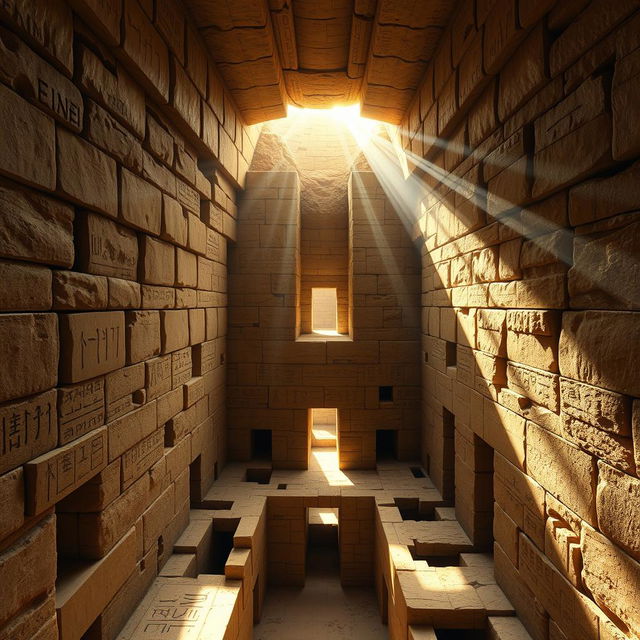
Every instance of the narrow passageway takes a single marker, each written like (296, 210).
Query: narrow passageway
(322, 609)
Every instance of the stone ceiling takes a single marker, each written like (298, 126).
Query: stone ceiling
(321, 53)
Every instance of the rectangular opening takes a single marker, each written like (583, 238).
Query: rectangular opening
(437, 561)
(261, 476)
(220, 549)
(385, 394)
(282, 486)
(195, 481)
(386, 444)
(448, 455)
(324, 310)
(323, 551)
(261, 446)
(417, 472)
(451, 354)
(324, 427)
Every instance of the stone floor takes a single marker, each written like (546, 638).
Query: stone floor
(322, 609)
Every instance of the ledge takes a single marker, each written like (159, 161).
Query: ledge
(320, 337)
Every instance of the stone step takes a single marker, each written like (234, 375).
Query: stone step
(323, 437)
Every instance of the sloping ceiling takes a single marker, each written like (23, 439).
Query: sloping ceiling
(321, 53)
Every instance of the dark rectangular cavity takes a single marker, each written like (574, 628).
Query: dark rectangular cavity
(261, 476)
(385, 394)
(386, 444)
(261, 447)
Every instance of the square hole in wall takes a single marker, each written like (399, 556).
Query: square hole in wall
(324, 310)
(386, 444)
(451, 354)
(261, 447)
(385, 394)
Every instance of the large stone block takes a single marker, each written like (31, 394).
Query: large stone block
(96, 188)
(127, 431)
(37, 548)
(11, 502)
(157, 262)
(28, 353)
(142, 335)
(612, 577)
(29, 429)
(91, 344)
(532, 338)
(141, 203)
(565, 471)
(81, 408)
(174, 330)
(27, 142)
(601, 348)
(56, 474)
(625, 99)
(76, 291)
(25, 287)
(539, 386)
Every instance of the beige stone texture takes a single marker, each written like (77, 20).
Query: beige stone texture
(78, 291)
(174, 330)
(25, 287)
(142, 335)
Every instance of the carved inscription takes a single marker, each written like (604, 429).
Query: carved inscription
(29, 429)
(205, 357)
(56, 474)
(158, 376)
(188, 197)
(80, 409)
(140, 457)
(181, 366)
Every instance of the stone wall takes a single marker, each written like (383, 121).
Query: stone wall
(524, 139)
(120, 155)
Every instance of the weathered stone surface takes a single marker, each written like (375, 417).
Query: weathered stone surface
(124, 294)
(11, 501)
(127, 431)
(539, 386)
(91, 344)
(142, 335)
(35, 228)
(186, 269)
(36, 549)
(611, 576)
(174, 222)
(27, 142)
(106, 248)
(115, 91)
(618, 507)
(598, 261)
(158, 376)
(108, 134)
(39, 82)
(601, 348)
(28, 353)
(72, 290)
(157, 261)
(97, 188)
(56, 474)
(103, 16)
(24, 287)
(141, 203)
(598, 407)
(141, 456)
(565, 471)
(625, 100)
(81, 408)
(174, 330)
(29, 429)
(532, 338)
(184, 97)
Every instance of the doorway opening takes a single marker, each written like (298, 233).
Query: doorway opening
(261, 444)
(323, 552)
(386, 444)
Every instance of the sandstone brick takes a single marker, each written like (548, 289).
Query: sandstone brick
(81, 408)
(27, 142)
(532, 338)
(598, 261)
(35, 228)
(141, 457)
(184, 97)
(611, 577)
(599, 348)
(502, 35)
(157, 261)
(174, 330)
(626, 105)
(106, 132)
(103, 17)
(197, 235)
(56, 474)
(146, 50)
(186, 269)
(196, 326)
(130, 429)
(116, 92)
(565, 471)
(482, 117)
(12, 501)
(37, 548)
(158, 376)
(124, 294)
(105, 248)
(142, 335)
(537, 385)
(174, 222)
(91, 344)
(25, 287)
(39, 82)
(75, 291)
(29, 351)
(141, 203)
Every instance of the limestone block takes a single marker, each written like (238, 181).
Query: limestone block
(124, 294)
(76, 291)
(36, 81)
(29, 353)
(91, 344)
(58, 473)
(27, 142)
(158, 297)
(205, 357)
(186, 269)
(82, 595)
(81, 408)
(142, 335)
(146, 51)
(35, 228)
(103, 17)
(491, 331)
(170, 22)
(105, 248)
(568, 473)
(174, 330)
(196, 326)
(107, 133)
(25, 287)
(618, 497)
(96, 189)
(158, 174)
(598, 261)
(158, 376)
(507, 628)
(601, 348)
(187, 196)
(157, 261)
(532, 338)
(116, 92)
(181, 363)
(141, 457)
(611, 576)
(141, 203)
(504, 430)
(159, 141)
(502, 35)
(537, 385)
(184, 96)
(127, 431)
(37, 548)
(197, 235)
